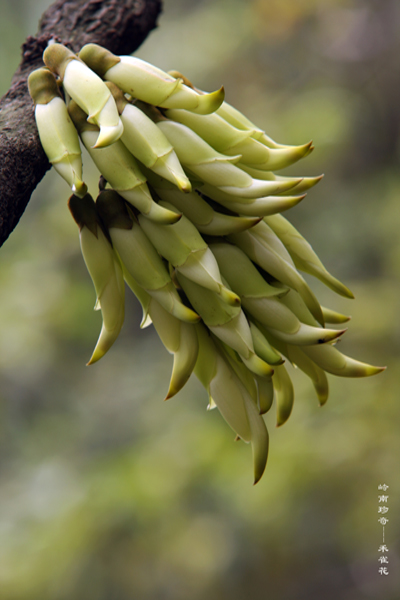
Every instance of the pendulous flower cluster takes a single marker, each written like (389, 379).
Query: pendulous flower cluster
(188, 215)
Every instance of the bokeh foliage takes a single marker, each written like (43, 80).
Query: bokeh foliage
(106, 492)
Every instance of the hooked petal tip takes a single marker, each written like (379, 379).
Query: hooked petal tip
(209, 103)
(109, 135)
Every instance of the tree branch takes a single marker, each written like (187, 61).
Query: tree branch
(119, 25)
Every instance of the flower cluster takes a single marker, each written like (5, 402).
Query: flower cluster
(188, 215)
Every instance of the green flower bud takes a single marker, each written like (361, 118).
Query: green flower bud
(104, 269)
(88, 91)
(57, 133)
(146, 82)
(182, 245)
(147, 143)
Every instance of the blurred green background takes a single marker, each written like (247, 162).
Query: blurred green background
(107, 492)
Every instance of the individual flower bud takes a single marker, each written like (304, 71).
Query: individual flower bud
(88, 91)
(142, 80)
(182, 245)
(57, 133)
(180, 339)
(229, 140)
(147, 143)
(303, 255)
(261, 207)
(104, 269)
(240, 121)
(233, 400)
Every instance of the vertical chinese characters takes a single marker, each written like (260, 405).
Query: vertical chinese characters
(382, 510)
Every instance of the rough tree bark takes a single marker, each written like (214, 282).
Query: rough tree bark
(119, 25)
